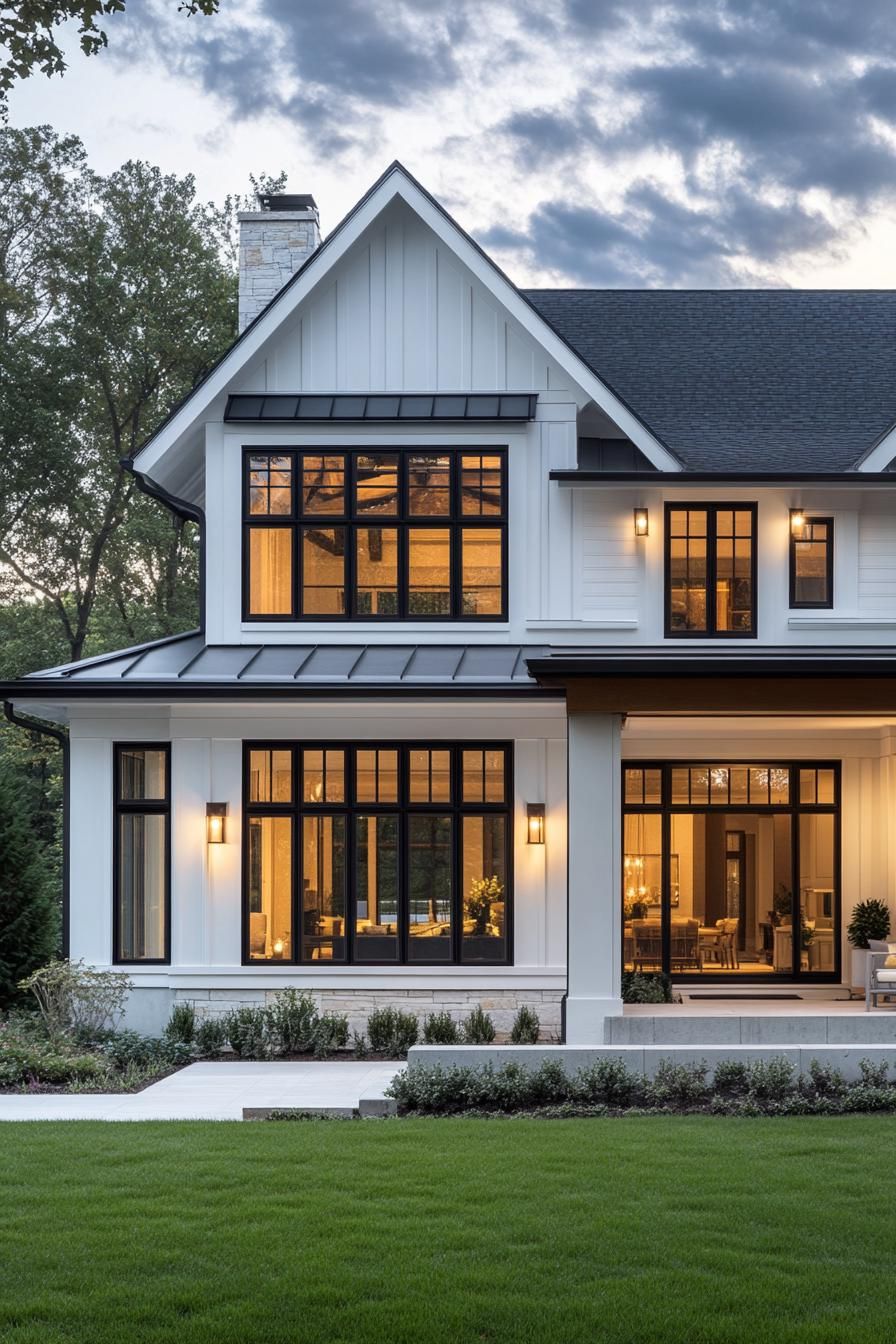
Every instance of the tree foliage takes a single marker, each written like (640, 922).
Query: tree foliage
(29, 33)
(115, 299)
(29, 914)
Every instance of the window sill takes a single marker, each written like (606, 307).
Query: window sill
(624, 622)
(832, 620)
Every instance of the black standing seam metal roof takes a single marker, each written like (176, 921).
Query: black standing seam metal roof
(752, 380)
(187, 659)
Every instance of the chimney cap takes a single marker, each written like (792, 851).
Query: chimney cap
(267, 201)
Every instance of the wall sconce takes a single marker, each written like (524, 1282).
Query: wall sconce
(214, 822)
(797, 523)
(535, 823)
(642, 522)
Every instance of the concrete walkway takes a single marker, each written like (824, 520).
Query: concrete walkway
(217, 1091)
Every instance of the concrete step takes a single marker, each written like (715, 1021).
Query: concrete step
(793, 1029)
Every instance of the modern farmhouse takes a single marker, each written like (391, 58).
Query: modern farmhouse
(546, 634)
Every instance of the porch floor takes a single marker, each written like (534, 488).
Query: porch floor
(701, 1005)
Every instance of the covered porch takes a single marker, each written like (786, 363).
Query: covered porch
(723, 823)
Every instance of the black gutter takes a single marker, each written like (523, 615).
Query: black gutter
(571, 477)
(734, 665)
(184, 509)
(62, 689)
(35, 726)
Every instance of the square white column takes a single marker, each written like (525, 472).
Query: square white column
(594, 964)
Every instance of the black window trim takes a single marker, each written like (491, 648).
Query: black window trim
(139, 806)
(828, 604)
(712, 510)
(403, 808)
(352, 522)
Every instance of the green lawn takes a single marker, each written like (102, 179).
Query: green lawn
(674, 1230)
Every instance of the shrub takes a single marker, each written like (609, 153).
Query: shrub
(870, 919)
(246, 1031)
(74, 998)
(210, 1037)
(678, 1085)
(330, 1035)
(27, 1060)
(638, 988)
(824, 1081)
(549, 1083)
(526, 1026)
(608, 1082)
(292, 1022)
(731, 1078)
(122, 1048)
(479, 1029)
(770, 1079)
(440, 1029)
(392, 1032)
(181, 1024)
(360, 1046)
(873, 1075)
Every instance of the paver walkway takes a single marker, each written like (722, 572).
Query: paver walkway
(216, 1091)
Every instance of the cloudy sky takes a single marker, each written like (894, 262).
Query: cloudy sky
(587, 142)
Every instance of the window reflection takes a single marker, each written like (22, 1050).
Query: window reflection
(323, 571)
(429, 888)
(270, 888)
(429, 571)
(376, 560)
(323, 888)
(484, 887)
(376, 888)
(323, 484)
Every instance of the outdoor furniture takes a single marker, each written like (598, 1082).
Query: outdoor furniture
(880, 979)
(683, 952)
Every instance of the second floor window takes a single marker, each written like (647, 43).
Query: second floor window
(812, 564)
(711, 570)
(394, 534)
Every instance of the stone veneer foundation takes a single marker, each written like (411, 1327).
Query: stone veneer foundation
(358, 1004)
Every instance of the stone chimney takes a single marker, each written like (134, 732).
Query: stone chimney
(275, 240)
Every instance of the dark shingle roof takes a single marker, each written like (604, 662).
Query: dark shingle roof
(753, 380)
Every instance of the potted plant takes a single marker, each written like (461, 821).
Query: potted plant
(870, 920)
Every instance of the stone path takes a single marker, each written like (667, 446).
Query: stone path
(217, 1091)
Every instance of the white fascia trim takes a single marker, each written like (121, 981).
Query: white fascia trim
(397, 185)
(882, 454)
(832, 621)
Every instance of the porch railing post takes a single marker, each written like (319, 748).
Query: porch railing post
(594, 959)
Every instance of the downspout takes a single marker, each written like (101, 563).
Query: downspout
(35, 726)
(192, 512)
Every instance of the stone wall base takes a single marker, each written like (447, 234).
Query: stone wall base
(357, 1004)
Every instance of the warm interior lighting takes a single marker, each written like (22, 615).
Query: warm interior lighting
(642, 522)
(214, 822)
(535, 823)
(797, 522)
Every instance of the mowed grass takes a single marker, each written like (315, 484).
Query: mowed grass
(688, 1229)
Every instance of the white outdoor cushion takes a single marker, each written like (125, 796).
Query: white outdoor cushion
(888, 977)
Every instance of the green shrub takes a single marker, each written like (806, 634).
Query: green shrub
(360, 1045)
(29, 909)
(731, 1078)
(210, 1037)
(181, 1024)
(292, 1019)
(77, 999)
(870, 919)
(123, 1048)
(607, 1082)
(246, 1030)
(440, 1029)
(639, 988)
(392, 1032)
(770, 1079)
(824, 1081)
(873, 1075)
(526, 1026)
(549, 1083)
(330, 1035)
(27, 1060)
(678, 1085)
(479, 1029)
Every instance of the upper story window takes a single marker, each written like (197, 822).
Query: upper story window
(711, 570)
(812, 564)
(395, 534)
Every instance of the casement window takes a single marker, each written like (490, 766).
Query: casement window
(142, 841)
(711, 570)
(393, 534)
(379, 853)
(812, 564)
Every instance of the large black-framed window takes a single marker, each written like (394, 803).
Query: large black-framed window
(731, 868)
(812, 564)
(141, 923)
(710, 571)
(381, 535)
(380, 853)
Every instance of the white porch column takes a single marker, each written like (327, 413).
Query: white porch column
(594, 965)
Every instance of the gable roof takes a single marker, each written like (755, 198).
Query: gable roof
(751, 380)
(396, 181)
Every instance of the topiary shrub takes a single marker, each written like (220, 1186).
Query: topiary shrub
(392, 1032)
(526, 1026)
(440, 1029)
(870, 919)
(479, 1029)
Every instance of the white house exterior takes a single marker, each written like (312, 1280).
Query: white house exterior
(470, 554)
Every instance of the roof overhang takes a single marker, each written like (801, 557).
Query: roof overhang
(684, 478)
